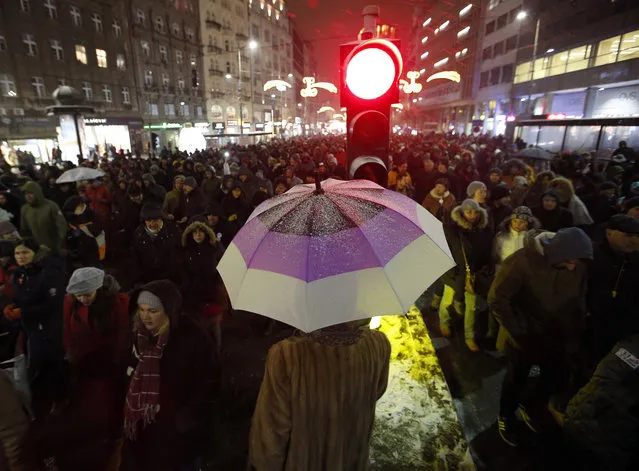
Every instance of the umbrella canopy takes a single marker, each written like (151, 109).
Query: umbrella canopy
(79, 174)
(535, 153)
(351, 251)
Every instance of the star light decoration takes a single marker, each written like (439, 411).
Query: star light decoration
(412, 86)
(280, 85)
(446, 75)
(311, 87)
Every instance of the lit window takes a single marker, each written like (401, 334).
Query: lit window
(31, 45)
(464, 11)
(179, 57)
(427, 22)
(607, 51)
(101, 56)
(76, 15)
(424, 55)
(165, 79)
(7, 85)
(37, 83)
(424, 39)
(146, 50)
(106, 93)
(578, 58)
(148, 78)
(169, 109)
(629, 48)
(441, 62)
(463, 32)
(52, 9)
(185, 110)
(56, 48)
(87, 90)
(523, 72)
(126, 96)
(120, 62)
(558, 63)
(97, 22)
(181, 84)
(117, 28)
(140, 17)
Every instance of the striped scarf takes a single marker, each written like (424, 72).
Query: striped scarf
(143, 398)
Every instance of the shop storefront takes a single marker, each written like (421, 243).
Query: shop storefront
(123, 133)
(161, 135)
(32, 134)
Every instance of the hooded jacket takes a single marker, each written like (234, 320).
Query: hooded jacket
(153, 193)
(100, 198)
(537, 305)
(186, 390)
(43, 220)
(200, 266)
(439, 206)
(569, 198)
(507, 242)
(158, 256)
(556, 219)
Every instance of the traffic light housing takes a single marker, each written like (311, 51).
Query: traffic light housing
(369, 85)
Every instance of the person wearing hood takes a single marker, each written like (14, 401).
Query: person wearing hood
(42, 219)
(604, 205)
(160, 177)
(569, 199)
(538, 188)
(156, 247)
(519, 191)
(551, 214)
(291, 179)
(210, 184)
(38, 290)
(215, 220)
(170, 372)
(202, 253)
(494, 179)
(86, 238)
(613, 296)
(173, 205)
(235, 208)
(512, 234)
(316, 405)
(224, 189)
(246, 177)
(96, 329)
(100, 198)
(500, 204)
(153, 193)
(439, 201)
(425, 179)
(193, 199)
(11, 203)
(539, 300)
(470, 240)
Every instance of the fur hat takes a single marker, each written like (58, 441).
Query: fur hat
(474, 187)
(524, 213)
(469, 204)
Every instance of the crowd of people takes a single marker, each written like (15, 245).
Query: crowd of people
(550, 258)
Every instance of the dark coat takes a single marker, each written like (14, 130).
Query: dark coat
(82, 245)
(200, 262)
(476, 240)
(153, 193)
(235, 206)
(210, 188)
(158, 257)
(186, 391)
(194, 203)
(613, 297)
(554, 220)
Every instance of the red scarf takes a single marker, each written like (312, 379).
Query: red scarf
(143, 398)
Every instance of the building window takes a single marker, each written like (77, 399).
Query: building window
(179, 57)
(101, 57)
(169, 109)
(18, 111)
(607, 51)
(52, 9)
(106, 93)
(81, 54)
(87, 90)
(558, 63)
(37, 83)
(494, 76)
(165, 79)
(185, 110)
(193, 59)
(629, 46)
(511, 43)
(140, 17)
(227, 46)
(163, 54)
(30, 44)
(120, 62)
(146, 50)
(507, 73)
(159, 24)
(498, 49)
(189, 34)
(57, 50)
(523, 72)
(228, 67)
(579, 57)
(7, 85)
(148, 78)
(502, 21)
(487, 53)
(490, 27)
(198, 111)
(181, 84)
(152, 109)
(76, 15)
(176, 29)
(25, 6)
(97, 22)
(126, 96)
(117, 28)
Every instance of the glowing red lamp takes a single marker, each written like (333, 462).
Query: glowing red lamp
(372, 69)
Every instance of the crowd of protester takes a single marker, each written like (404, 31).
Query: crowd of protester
(546, 272)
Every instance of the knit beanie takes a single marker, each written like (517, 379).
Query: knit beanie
(522, 212)
(190, 181)
(178, 177)
(570, 243)
(496, 170)
(500, 191)
(474, 187)
(85, 280)
(146, 297)
(470, 204)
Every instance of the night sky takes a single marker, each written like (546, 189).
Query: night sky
(328, 23)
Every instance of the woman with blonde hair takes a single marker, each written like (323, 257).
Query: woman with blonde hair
(171, 377)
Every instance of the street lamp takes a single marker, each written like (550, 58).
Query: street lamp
(251, 46)
(228, 76)
(521, 15)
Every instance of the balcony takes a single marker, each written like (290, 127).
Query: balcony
(214, 49)
(216, 72)
(241, 37)
(210, 23)
(217, 94)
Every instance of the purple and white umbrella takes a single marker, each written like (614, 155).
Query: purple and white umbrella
(354, 250)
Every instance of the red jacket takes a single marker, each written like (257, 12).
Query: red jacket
(100, 201)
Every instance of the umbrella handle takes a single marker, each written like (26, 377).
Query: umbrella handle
(318, 185)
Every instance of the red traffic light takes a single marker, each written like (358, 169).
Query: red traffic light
(372, 69)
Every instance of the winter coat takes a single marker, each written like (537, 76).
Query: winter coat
(235, 206)
(96, 354)
(613, 297)
(129, 218)
(210, 188)
(507, 242)
(200, 267)
(476, 241)
(14, 426)
(158, 256)
(86, 238)
(153, 193)
(174, 204)
(43, 220)
(100, 199)
(538, 306)
(601, 419)
(554, 220)
(439, 206)
(570, 200)
(186, 391)
(316, 405)
(194, 203)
